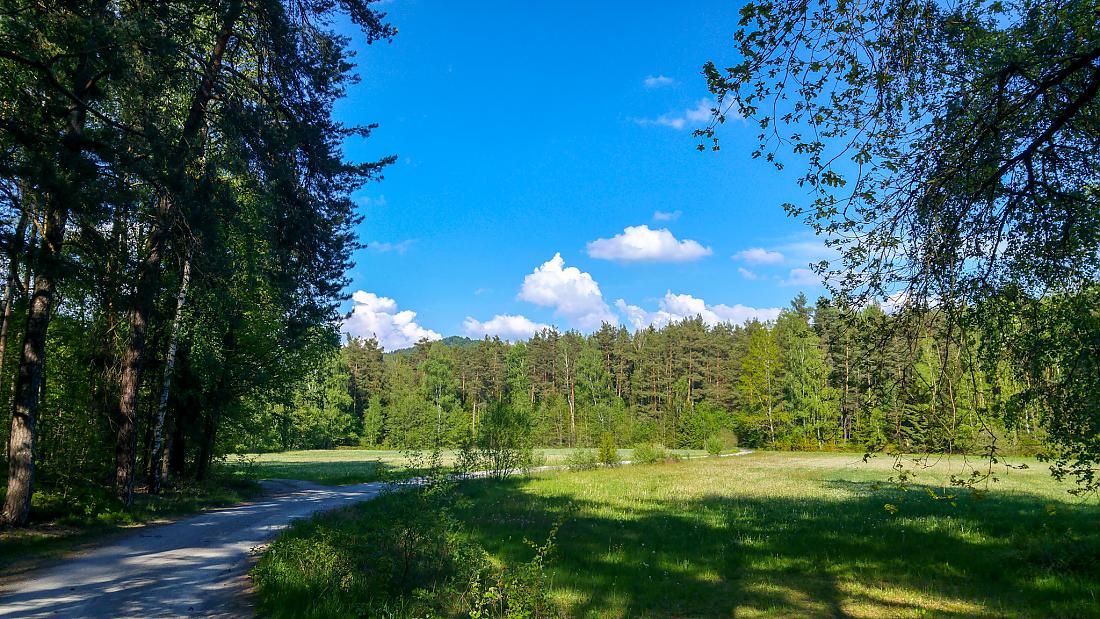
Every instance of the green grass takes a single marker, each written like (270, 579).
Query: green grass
(350, 466)
(768, 534)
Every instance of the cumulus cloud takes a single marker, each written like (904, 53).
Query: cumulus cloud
(802, 277)
(378, 317)
(384, 247)
(677, 307)
(640, 244)
(658, 81)
(573, 294)
(759, 255)
(678, 120)
(504, 326)
(747, 274)
(667, 215)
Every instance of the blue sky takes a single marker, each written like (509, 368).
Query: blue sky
(547, 175)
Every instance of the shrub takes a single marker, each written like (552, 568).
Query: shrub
(504, 440)
(713, 445)
(609, 455)
(582, 460)
(728, 438)
(520, 591)
(645, 453)
(467, 457)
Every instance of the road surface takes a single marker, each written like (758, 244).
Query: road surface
(195, 567)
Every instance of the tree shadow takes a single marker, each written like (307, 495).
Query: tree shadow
(328, 473)
(1004, 555)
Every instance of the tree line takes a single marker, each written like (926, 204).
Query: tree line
(822, 376)
(175, 225)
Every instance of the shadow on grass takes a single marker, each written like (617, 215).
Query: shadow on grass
(329, 473)
(1005, 555)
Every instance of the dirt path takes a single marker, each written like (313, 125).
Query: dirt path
(196, 567)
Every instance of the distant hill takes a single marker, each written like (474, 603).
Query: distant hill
(454, 341)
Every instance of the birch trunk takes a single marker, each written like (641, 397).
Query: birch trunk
(169, 367)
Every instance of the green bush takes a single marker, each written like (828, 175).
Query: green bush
(713, 445)
(503, 444)
(517, 592)
(582, 460)
(609, 455)
(645, 453)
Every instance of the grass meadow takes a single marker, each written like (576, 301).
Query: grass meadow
(760, 535)
(350, 466)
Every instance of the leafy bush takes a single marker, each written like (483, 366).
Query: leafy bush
(520, 591)
(713, 445)
(502, 446)
(467, 457)
(538, 459)
(609, 455)
(582, 460)
(645, 453)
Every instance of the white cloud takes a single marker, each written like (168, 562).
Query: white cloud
(806, 252)
(640, 244)
(747, 274)
(678, 120)
(380, 201)
(677, 307)
(658, 81)
(573, 294)
(383, 247)
(667, 215)
(802, 277)
(759, 255)
(505, 326)
(378, 317)
(898, 301)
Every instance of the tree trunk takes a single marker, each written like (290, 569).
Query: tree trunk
(169, 367)
(846, 426)
(9, 292)
(572, 415)
(133, 360)
(206, 450)
(146, 291)
(28, 380)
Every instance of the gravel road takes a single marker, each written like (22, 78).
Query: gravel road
(195, 567)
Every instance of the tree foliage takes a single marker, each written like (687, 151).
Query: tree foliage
(948, 152)
(138, 142)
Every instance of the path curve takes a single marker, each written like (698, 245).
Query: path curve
(196, 567)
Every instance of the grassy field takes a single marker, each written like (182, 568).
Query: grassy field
(349, 466)
(767, 534)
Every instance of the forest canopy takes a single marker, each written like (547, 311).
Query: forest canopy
(820, 377)
(176, 226)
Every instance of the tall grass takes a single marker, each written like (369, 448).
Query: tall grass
(759, 535)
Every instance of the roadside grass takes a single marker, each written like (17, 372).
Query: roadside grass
(352, 466)
(65, 521)
(761, 535)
